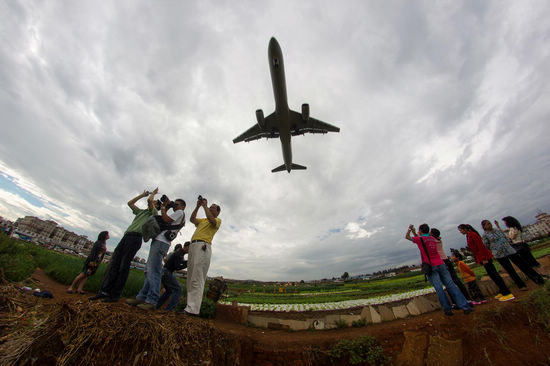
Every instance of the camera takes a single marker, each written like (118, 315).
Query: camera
(170, 235)
(165, 198)
(200, 198)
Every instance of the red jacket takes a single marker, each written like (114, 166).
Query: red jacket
(480, 251)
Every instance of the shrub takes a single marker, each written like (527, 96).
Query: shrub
(340, 323)
(208, 307)
(361, 350)
(539, 301)
(17, 267)
(16, 259)
(359, 323)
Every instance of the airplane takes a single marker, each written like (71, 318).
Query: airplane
(284, 122)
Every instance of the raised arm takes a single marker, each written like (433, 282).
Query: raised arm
(151, 199)
(193, 218)
(132, 202)
(408, 234)
(167, 219)
(209, 215)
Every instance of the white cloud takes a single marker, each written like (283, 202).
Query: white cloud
(442, 109)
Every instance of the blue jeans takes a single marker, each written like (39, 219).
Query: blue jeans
(440, 276)
(151, 287)
(173, 290)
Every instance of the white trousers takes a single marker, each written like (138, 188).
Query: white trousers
(198, 263)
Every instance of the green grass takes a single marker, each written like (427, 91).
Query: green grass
(334, 292)
(539, 301)
(363, 350)
(537, 253)
(18, 259)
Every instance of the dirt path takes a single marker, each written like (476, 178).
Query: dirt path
(496, 333)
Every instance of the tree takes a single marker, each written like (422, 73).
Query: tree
(345, 276)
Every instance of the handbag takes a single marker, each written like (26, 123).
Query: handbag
(150, 228)
(154, 226)
(426, 268)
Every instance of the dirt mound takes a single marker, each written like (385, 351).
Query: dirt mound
(70, 330)
(84, 333)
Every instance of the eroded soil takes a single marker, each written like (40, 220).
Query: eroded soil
(494, 334)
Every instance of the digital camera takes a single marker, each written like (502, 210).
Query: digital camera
(165, 198)
(170, 235)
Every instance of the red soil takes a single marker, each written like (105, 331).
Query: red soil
(494, 334)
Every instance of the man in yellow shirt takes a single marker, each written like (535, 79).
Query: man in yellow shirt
(200, 252)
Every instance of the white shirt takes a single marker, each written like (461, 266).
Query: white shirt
(177, 216)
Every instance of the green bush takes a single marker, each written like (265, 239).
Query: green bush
(539, 301)
(361, 350)
(17, 267)
(340, 323)
(16, 259)
(359, 323)
(208, 307)
(19, 259)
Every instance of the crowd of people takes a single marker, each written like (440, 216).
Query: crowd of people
(506, 248)
(198, 250)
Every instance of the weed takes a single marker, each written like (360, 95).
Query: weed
(539, 303)
(17, 267)
(361, 350)
(340, 323)
(359, 323)
(208, 307)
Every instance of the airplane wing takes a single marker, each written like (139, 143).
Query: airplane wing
(312, 125)
(269, 130)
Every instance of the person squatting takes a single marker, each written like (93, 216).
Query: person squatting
(199, 251)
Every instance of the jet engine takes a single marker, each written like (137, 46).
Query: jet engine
(305, 112)
(260, 118)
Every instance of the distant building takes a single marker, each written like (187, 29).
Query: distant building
(5, 223)
(49, 233)
(540, 229)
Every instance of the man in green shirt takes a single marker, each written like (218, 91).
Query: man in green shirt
(119, 266)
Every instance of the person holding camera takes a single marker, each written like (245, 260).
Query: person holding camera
(200, 252)
(148, 296)
(119, 265)
(174, 262)
(438, 274)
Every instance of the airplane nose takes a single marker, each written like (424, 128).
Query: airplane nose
(273, 44)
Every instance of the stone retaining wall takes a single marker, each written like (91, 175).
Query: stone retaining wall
(369, 314)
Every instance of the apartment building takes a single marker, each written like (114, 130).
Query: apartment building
(49, 232)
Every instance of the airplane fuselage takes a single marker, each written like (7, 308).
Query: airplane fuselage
(277, 69)
(283, 122)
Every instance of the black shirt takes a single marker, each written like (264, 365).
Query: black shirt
(175, 261)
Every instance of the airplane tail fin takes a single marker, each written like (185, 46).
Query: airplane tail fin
(293, 167)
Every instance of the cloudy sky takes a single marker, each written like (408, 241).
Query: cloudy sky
(443, 109)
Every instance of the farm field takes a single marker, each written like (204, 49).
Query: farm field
(19, 259)
(57, 336)
(349, 294)
(65, 329)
